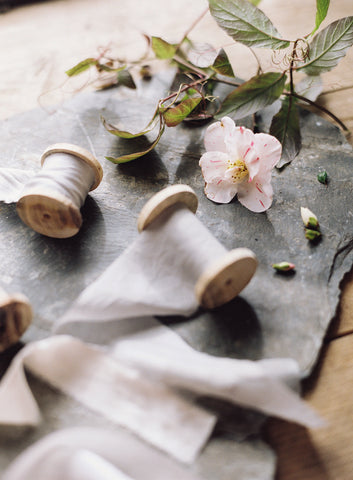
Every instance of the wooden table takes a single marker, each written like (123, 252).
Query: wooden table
(40, 41)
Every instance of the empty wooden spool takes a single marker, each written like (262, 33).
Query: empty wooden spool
(222, 279)
(15, 317)
(51, 202)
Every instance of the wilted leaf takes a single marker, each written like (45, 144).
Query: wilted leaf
(321, 12)
(309, 87)
(81, 67)
(285, 127)
(125, 134)
(174, 115)
(163, 49)
(329, 46)
(246, 24)
(134, 156)
(251, 96)
(125, 79)
(222, 65)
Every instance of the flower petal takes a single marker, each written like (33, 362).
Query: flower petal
(241, 146)
(255, 196)
(269, 149)
(213, 164)
(216, 133)
(220, 191)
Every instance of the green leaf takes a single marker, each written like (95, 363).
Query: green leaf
(107, 68)
(309, 87)
(251, 96)
(163, 49)
(321, 12)
(125, 79)
(174, 115)
(81, 67)
(222, 65)
(246, 24)
(125, 134)
(255, 2)
(329, 46)
(202, 55)
(285, 127)
(134, 156)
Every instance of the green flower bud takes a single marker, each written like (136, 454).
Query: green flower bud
(283, 266)
(312, 234)
(322, 177)
(309, 218)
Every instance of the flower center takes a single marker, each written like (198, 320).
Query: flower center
(239, 170)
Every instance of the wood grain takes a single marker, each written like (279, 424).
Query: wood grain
(324, 454)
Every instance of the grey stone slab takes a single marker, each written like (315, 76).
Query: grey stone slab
(275, 316)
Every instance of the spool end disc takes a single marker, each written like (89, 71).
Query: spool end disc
(225, 279)
(52, 215)
(15, 317)
(164, 199)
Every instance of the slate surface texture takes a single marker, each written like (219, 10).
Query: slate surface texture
(275, 316)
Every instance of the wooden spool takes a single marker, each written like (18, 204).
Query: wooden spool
(15, 317)
(223, 279)
(51, 213)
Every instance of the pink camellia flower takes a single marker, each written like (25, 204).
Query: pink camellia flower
(239, 162)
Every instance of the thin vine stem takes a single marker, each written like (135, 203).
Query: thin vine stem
(319, 107)
(192, 26)
(183, 89)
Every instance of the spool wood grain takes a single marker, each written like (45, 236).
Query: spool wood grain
(50, 214)
(164, 199)
(223, 280)
(15, 317)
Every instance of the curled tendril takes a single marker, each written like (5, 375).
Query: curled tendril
(299, 53)
(301, 50)
(278, 57)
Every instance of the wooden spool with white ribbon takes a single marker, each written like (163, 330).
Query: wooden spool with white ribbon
(15, 317)
(220, 275)
(51, 201)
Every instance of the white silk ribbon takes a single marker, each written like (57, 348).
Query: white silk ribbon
(140, 380)
(12, 182)
(94, 454)
(115, 390)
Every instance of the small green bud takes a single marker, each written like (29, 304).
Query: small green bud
(322, 177)
(309, 218)
(283, 266)
(312, 234)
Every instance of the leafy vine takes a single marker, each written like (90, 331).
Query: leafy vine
(315, 54)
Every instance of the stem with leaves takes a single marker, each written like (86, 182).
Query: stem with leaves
(203, 68)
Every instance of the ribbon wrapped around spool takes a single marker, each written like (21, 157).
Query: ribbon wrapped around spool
(218, 275)
(15, 317)
(50, 201)
(174, 265)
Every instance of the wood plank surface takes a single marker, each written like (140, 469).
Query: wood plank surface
(325, 454)
(40, 41)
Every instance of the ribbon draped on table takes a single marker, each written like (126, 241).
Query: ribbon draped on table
(146, 377)
(91, 454)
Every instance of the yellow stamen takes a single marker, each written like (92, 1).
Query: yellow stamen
(240, 170)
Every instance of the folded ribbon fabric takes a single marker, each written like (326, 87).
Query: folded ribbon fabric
(139, 383)
(116, 391)
(94, 454)
(12, 182)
